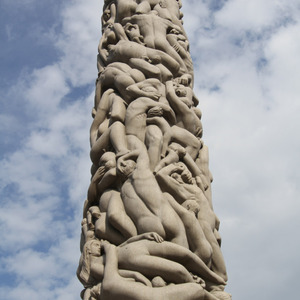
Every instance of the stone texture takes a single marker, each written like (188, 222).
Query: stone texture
(148, 230)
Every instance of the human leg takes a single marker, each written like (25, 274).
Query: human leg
(195, 235)
(153, 142)
(118, 217)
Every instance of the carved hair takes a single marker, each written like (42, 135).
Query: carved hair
(84, 268)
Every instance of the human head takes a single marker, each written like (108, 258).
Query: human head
(133, 31)
(184, 93)
(126, 167)
(158, 282)
(90, 248)
(179, 3)
(192, 206)
(177, 177)
(181, 151)
(92, 215)
(108, 159)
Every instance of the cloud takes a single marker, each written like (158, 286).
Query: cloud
(44, 178)
(246, 80)
(246, 77)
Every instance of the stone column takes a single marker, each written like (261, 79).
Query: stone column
(148, 230)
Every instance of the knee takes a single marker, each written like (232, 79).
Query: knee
(117, 125)
(188, 218)
(153, 135)
(183, 274)
(155, 71)
(113, 218)
(116, 117)
(196, 144)
(205, 253)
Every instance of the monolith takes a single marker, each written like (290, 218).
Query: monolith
(148, 230)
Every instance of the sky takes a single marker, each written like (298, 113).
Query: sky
(247, 70)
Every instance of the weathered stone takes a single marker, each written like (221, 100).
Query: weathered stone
(149, 230)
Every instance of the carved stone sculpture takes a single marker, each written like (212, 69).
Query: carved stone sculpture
(148, 230)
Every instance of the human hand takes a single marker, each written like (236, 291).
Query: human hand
(199, 132)
(99, 174)
(199, 280)
(146, 58)
(155, 111)
(181, 152)
(110, 164)
(153, 236)
(153, 95)
(185, 79)
(174, 31)
(141, 278)
(156, 59)
(105, 245)
(187, 176)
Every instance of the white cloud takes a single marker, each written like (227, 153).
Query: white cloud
(247, 68)
(45, 178)
(255, 15)
(79, 39)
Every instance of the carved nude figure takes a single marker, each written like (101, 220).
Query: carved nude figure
(113, 139)
(175, 153)
(183, 191)
(130, 52)
(131, 83)
(181, 45)
(182, 100)
(115, 286)
(136, 116)
(148, 227)
(109, 13)
(202, 162)
(110, 109)
(113, 224)
(169, 10)
(150, 209)
(105, 169)
(150, 256)
(111, 202)
(135, 124)
(175, 134)
(154, 30)
(143, 200)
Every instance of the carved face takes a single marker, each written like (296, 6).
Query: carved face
(180, 91)
(177, 177)
(95, 248)
(106, 15)
(126, 167)
(185, 94)
(179, 3)
(132, 30)
(108, 159)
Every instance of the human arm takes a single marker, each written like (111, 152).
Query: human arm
(144, 64)
(174, 100)
(168, 112)
(147, 88)
(170, 185)
(136, 276)
(108, 179)
(120, 32)
(151, 236)
(197, 173)
(100, 115)
(92, 190)
(102, 50)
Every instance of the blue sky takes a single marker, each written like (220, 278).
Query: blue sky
(247, 70)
